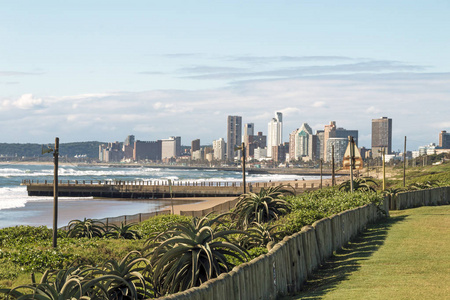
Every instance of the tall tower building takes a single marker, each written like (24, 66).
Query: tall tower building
(219, 149)
(195, 145)
(234, 135)
(381, 136)
(444, 139)
(249, 129)
(275, 133)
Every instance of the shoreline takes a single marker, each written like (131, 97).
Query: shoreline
(249, 169)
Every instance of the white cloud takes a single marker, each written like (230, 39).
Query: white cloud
(318, 104)
(373, 110)
(27, 101)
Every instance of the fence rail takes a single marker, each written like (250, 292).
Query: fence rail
(127, 219)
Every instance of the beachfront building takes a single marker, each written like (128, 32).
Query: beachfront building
(260, 153)
(275, 133)
(234, 136)
(331, 131)
(381, 136)
(254, 141)
(444, 140)
(340, 145)
(147, 150)
(171, 147)
(219, 149)
(302, 143)
(112, 152)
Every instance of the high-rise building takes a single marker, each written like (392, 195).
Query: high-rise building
(249, 129)
(128, 147)
(254, 141)
(279, 152)
(147, 150)
(219, 149)
(275, 133)
(234, 136)
(301, 143)
(195, 145)
(444, 140)
(171, 147)
(129, 141)
(381, 136)
(340, 145)
(331, 131)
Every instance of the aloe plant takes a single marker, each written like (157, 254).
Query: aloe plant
(123, 231)
(87, 228)
(130, 269)
(265, 206)
(262, 235)
(71, 283)
(189, 254)
(359, 184)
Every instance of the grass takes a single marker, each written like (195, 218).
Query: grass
(403, 257)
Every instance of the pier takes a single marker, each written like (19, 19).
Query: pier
(151, 189)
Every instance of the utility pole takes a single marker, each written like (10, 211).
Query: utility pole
(384, 168)
(321, 164)
(352, 160)
(55, 193)
(332, 166)
(242, 148)
(404, 164)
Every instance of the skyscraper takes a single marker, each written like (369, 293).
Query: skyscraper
(234, 135)
(249, 129)
(444, 139)
(331, 131)
(381, 136)
(301, 143)
(219, 149)
(275, 133)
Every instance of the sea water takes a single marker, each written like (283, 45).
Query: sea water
(17, 208)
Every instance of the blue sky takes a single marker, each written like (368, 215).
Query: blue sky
(100, 70)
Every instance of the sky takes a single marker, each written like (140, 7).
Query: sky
(101, 70)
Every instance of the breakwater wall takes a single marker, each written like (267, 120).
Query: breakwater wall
(156, 189)
(427, 197)
(289, 263)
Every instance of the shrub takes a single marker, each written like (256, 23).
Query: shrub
(191, 253)
(265, 206)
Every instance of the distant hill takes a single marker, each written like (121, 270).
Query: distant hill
(90, 149)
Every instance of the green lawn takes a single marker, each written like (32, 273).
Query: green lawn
(404, 257)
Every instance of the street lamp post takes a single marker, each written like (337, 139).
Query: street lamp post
(242, 148)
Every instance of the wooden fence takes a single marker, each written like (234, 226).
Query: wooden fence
(289, 263)
(435, 196)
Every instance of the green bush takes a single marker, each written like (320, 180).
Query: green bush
(159, 224)
(19, 235)
(310, 207)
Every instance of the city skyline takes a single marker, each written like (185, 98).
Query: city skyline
(100, 70)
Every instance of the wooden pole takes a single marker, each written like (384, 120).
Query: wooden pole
(384, 169)
(404, 164)
(352, 158)
(321, 164)
(55, 193)
(332, 166)
(243, 166)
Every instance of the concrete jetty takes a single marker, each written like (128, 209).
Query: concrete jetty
(151, 189)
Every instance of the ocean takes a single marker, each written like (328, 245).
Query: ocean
(17, 208)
